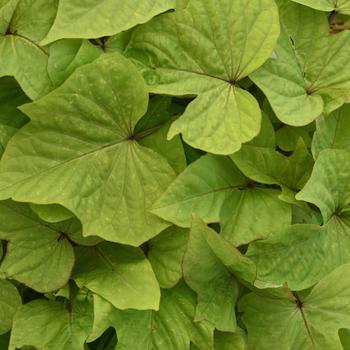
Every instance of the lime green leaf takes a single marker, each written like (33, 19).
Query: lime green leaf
(296, 322)
(165, 253)
(329, 187)
(287, 137)
(85, 156)
(342, 6)
(11, 119)
(94, 18)
(201, 188)
(120, 274)
(7, 8)
(208, 266)
(171, 150)
(51, 212)
(246, 215)
(267, 166)
(230, 341)
(172, 327)
(66, 56)
(20, 54)
(332, 131)
(68, 326)
(38, 255)
(224, 42)
(309, 72)
(10, 301)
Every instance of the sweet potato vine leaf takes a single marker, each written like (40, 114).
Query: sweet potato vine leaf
(211, 267)
(120, 274)
(80, 151)
(21, 55)
(295, 322)
(10, 301)
(342, 6)
(96, 18)
(172, 327)
(204, 50)
(310, 71)
(38, 254)
(68, 324)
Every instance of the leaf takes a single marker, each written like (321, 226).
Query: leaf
(94, 19)
(310, 72)
(68, 328)
(172, 327)
(20, 54)
(201, 189)
(332, 131)
(38, 255)
(11, 119)
(253, 213)
(51, 212)
(208, 266)
(85, 156)
(120, 274)
(287, 137)
(328, 187)
(230, 341)
(342, 6)
(204, 50)
(310, 322)
(267, 166)
(7, 8)
(67, 55)
(165, 253)
(10, 301)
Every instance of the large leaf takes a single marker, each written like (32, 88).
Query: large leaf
(38, 255)
(300, 255)
(204, 50)
(208, 266)
(68, 326)
(165, 253)
(342, 6)
(172, 327)
(85, 155)
(309, 73)
(95, 18)
(122, 275)
(296, 322)
(201, 189)
(329, 186)
(332, 131)
(10, 300)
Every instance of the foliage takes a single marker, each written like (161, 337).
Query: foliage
(174, 175)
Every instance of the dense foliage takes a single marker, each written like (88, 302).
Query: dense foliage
(175, 175)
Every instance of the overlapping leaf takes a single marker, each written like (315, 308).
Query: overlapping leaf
(10, 301)
(38, 254)
(171, 327)
(67, 326)
(85, 155)
(205, 50)
(121, 275)
(209, 265)
(309, 73)
(94, 18)
(297, 322)
(342, 6)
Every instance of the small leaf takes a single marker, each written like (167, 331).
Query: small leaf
(10, 301)
(120, 274)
